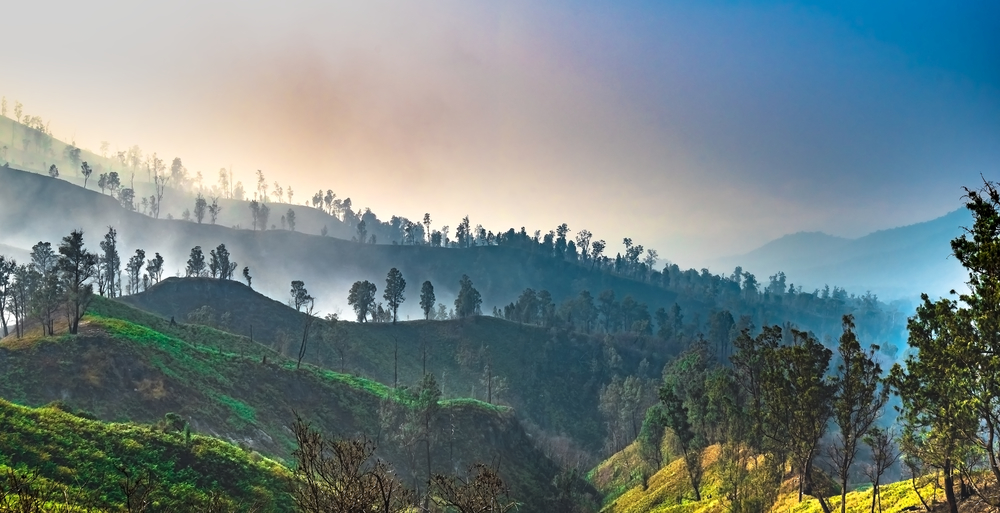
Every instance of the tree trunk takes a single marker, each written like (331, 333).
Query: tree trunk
(949, 487)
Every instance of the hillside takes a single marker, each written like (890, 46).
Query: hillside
(119, 369)
(552, 377)
(894, 263)
(34, 207)
(79, 461)
(668, 490)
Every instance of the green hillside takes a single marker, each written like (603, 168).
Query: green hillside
(668, 490)
(551, 377)
(69, 459)
(122, 368)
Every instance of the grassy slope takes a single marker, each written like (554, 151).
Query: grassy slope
(551, 374)
(669, 490)
(82, 458)
(122, 370)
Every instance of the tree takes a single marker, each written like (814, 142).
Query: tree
(224, 183)
(978, 250)
(596, 249)
(127, 199)
(427, 409)
(133, 269)
(196, 262)
(932, 387)
(154, 268)
(797, 401)
(261, 186)
(159, 183)
(44, 286)
(110, 262)
(483, 491)
(394, 287)
(7, 268)
(114, 181)
(200, 205)
(468, 301)
(290, 216)
(362, 232)
(884, 452)
(214, 209)
(53, 171)
(427, 227)
(338, 475)
(246, 276)
(220, 265)
(255, 212)
(362, 298)
(86, 171)
(857, 403)
(427, 299)
(300, 296)
(77, 266)
(262, 214)
(676, 417)
(463, 233)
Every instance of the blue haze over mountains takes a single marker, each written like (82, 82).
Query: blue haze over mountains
(897, 263)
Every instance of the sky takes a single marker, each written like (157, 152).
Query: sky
(699, 129)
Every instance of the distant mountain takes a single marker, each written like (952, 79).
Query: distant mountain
(895, 263)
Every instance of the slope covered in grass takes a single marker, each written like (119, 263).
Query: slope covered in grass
(121, 370)
(620, 479)
(551, 376)
(80, 461)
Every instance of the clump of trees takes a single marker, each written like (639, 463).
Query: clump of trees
(49, 283)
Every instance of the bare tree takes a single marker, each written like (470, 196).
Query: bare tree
(483, 491)
(338, 475)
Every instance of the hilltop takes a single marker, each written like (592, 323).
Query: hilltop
(126, 365)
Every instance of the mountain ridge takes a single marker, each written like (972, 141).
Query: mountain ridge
(894, 263)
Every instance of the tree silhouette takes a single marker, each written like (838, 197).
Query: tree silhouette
(394, 287)
(200, 205)
(468, 301)
(86, 171)
(77, 266)
(427, 299)
(362, 297)
(196, 262)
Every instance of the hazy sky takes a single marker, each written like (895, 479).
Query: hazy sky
(696, 128)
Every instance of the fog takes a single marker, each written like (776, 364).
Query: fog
(697, 129)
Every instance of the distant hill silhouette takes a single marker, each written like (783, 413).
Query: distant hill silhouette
(895, 263)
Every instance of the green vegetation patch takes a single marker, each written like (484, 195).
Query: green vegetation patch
(83, 460)
(242, 413)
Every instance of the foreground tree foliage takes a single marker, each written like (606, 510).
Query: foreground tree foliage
(950, 386)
